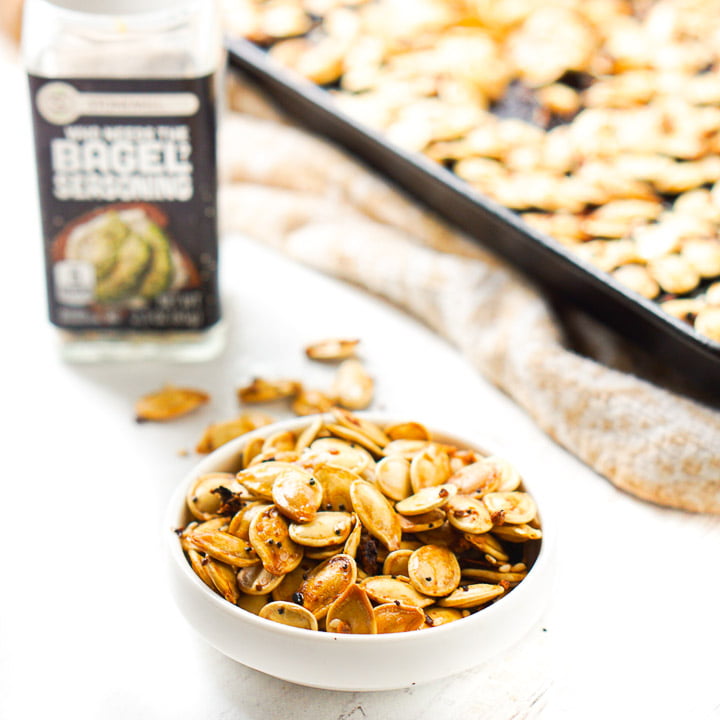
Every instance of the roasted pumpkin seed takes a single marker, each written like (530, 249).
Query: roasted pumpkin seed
(351, 613)
(288, 613)
(326, 583)
(426, 499)
(270, 537)
(434, 570)
(470, 596)
(393, 618)
(326, 528)
(169, 403)
(376, 514)
(468, 514)
(332, 349)
(297, 494)
(352, 385)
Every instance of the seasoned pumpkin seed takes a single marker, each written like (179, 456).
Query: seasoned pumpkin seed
(392, 476)
(297, 494)
(468, 514)
(224, 547)
(169, 403)
(386, 589)
(393, 618)
(326, 528)
(332, 349)
(469, 596)
(515, 508)
(326, 583)
(434, 570)
(376, 514)
(270, 537)
(351, 613)
(352, 385)
(256, 580)
(430, 467)
(426, 499)
(288, 613)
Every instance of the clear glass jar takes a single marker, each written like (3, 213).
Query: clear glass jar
(124, 98)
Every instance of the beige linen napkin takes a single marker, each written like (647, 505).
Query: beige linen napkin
(300, 194)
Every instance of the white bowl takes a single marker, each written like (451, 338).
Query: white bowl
(351, 662)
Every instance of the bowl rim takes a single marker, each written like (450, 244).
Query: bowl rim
(224, 453)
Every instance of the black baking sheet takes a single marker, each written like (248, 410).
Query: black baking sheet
(539, 257)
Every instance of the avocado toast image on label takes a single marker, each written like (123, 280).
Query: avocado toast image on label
(133, 258)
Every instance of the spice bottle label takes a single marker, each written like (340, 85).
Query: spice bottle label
(128, 191)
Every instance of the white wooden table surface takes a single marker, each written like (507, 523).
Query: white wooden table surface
(87, 626)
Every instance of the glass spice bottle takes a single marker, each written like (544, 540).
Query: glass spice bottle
(123, 96)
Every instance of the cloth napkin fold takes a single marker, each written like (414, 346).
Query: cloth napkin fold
(302, 195)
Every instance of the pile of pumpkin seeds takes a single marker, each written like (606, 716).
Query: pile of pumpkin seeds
(350, 527)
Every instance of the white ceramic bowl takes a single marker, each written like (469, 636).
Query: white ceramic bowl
(352, 662)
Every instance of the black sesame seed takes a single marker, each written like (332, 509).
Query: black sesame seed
(281, 611)
(341, 507)
(428, 579)
(311, 481)
(298, 598)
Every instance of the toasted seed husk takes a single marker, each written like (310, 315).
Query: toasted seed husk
(515, 508)
(352, 385)
(265, 391)
(369, 429)
(488, 544)
(386, 589)
(270, 537)
(470, 596)
(224, 547)
(326, 528)
(396, 563)
(423, 522)
(222, 577)
(306, 437)
(217, 434)
(169, 403)
(517, 533)
(353, 435)
(288, 613)
(335, 481)
(332, 349)
(393, 618)
(297, 494)
(435, 616)
(392, 476)
(376, 514)
(494, 576)
(351, 613)
(434, 570)
(334, 451)
(240, 523)
(202, 502)
(256, 580)
(208, 526)
(426, 499)
(259, 479)
(480, 477)
(430, 467)
(407, 431)
(468, 514)
(325, 583)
